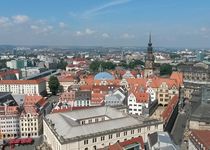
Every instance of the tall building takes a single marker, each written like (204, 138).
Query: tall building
(149, 60)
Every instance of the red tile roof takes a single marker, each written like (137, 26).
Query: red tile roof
(203, 137)
(97, 98)
(9, 72)
(142, 97)
(122, 145)
(38, 81)
(31, 100)
(66, 79)
(178, 76)
(170, 108)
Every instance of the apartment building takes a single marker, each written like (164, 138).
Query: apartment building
(23, 86)
(31, 116)
(9, 122)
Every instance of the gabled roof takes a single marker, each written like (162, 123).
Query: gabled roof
(170, 108)
(127, 143)
(178, 76)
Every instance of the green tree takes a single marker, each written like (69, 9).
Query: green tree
(94, 66)
(165, 69)
(62, 64)
(54, 85)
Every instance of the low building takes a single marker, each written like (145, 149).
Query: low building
(161, 140)
(199, 139)
(138, 103)
(23, 86)
(115, 98)
(76, 98)
(95, 128)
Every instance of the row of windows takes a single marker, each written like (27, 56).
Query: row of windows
(29, 124)
(29, 129)
(134, 109)
(93, 120)
(110, 136)
(9, 126)
(15, 130)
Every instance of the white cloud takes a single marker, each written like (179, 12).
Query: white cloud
(5, 22)
(41, 29)
(204, 29)
(128, 36)
(20, 19)
(62, 25)
(89, 31)
(105, 35)
(105, 6)
(79, 33)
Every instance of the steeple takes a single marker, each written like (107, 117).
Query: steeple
(150, 40)
(149, 59)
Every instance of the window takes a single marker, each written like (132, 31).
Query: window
(117, 134)
(96, 120)
(139, 130)
(102, 138)
(110, 136)
(83, 122)
(90, 121)
(125, 133)
(148, 128)
(94, 140)
(132, 131)
(156, 126)
(85, 142)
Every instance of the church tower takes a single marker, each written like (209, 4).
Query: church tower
(149, 60)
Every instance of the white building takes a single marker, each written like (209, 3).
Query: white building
(95, 128)
(115, 98)
(23, 86)
(138, 103)
(9, 122)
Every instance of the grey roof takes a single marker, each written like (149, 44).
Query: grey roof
(200, 105)
(67, 124)
(19, 98)
(161, 140)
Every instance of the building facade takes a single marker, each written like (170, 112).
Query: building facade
(24, 86)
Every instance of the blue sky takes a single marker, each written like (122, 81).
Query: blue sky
(173, 23)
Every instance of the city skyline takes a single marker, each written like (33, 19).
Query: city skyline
(105, 23)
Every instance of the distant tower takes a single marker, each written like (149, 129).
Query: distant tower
(100, 69)
(149, 60)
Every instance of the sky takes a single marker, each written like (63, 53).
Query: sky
(173, 23)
